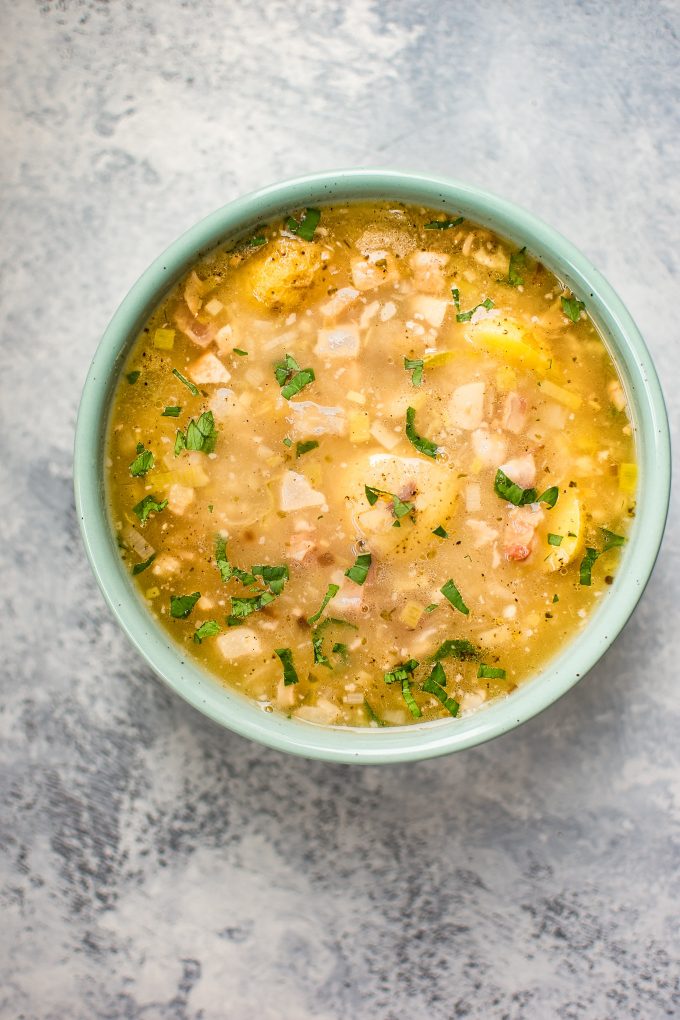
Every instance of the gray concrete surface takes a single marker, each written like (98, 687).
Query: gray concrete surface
(155, 867)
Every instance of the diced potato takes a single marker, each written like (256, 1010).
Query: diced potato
(164, 339)
(377, 268)
(339, 302)
(279, 278)
(324, 713)
(411, 614)
(628, 477)
(152, 593)
(214, 307)
(297, 493)
(359, 427)
(385, 435)
(565, 519)
(466, 407)
(508, 339)
(431, 309)
(208, 370)
(563, 396)
(179, 498)
(310, 420)
(428, 270)
(190, 475)
(238, 642)
(338, 342)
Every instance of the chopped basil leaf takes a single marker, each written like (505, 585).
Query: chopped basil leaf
(331, 592)
(142, 462)
(310, 444)
(341, 649)
(466, 316)
(201, 435)
(432, 606)
(435, 684)
(317, 648)
(148, 505)
(555, 539)
(139, 567)
(207, 629)
(399, 507)
(517, 263)
(510, 491)
(180, 442)
(132, 377)
(289, 674)
(401, 672)
(181, 605)
(256, 242)
(291, 378)
(189, 385)
(407, 695)
(450, 592)
(371, 714)
(305, 227)
(444, 224)
(456, 648)
(274, 577)
(490, 672)
(556, 598)
(421, 444)
(172, 411)
(287, 442)
(455, 294)
(572, 308)
(242, 607)
(237, 350)
(415, 366)
(359, 572)
(440, 532)
(549, 497)
(611, 541)
(586, 568)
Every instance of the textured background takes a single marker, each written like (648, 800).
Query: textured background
(155, 867)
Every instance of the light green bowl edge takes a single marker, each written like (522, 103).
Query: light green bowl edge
(417, 741)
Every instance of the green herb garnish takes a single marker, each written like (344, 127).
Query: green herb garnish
(555, 539)
(371, 714)
(450, 592)
(172, 411)
(435, 684)
(200, 435)
(401, 672)
(456, 648)
(242, 607)
(440, 532)
(341, 649)
(142, 462)
(148, 505)
(289, 674)
(400, 508)
(310, 444)
(455, 294)
(407, 695)
(611, 541)
(556, 598)
(287, 442)
(359, 572)
(139, 567)
(421, 444)
(189, 385)
(572, 308)
(207, 629)
(444, 224)
(490, 672)
(274, 577)
(432, 606)
(517, 263)
(181, 605)
(291, 378)
(586, 568)
(515, 494)
(132, 377)
(466, 316)
(241, 354)
(306, 226)
(317, 647)
(415, 366)
(331, 592)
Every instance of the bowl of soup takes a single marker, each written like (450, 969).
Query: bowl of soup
(371, 466)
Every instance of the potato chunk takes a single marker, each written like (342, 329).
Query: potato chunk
(288, 268)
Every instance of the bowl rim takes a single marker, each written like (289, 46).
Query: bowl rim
(415, 741)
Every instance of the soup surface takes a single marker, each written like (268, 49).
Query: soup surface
(372, 465)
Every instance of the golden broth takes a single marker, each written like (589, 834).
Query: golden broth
(438, 355)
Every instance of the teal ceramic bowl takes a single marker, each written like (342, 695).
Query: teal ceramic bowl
(413, 742)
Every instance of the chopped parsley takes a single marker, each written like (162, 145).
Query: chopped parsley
(139, 567)
(341, 649)
(207, 629)
(422, 445)
(142, 463)
(189, 385)
(148, 505)
(456, 648)
(440, 532)
(287, 442)
(400, 508)
(415, 367)
(435, 684)
(371, 714)
(132, 377)
(432, 606)
(518, 261)
(359, 572)
(466, 316)
(291, 378)
(555, 539)
(556, 598)
(586, 568)
(242, 607)
(611, 541)
(172, 411)
(289, 673)
(255, 242)
(450, 592)
(237, 350)
(200, 435)
(182, 605)
(515, 494)
(331, 592)
(310, 444)
(490, 672)
(320, 657)
(274, 577)
(306, 226)
(455, 294)
(444, 224)
(572, 308)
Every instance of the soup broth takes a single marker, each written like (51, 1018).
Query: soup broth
(371, 466)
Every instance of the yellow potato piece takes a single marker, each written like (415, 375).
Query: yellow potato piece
(286, 269)
(566, 519)
(508, 339)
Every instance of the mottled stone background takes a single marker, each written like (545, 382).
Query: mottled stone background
(156, 867)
